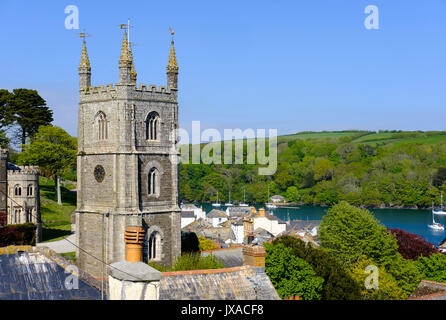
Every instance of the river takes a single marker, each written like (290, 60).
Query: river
(413, 221)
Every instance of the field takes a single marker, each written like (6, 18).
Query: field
(56, 218)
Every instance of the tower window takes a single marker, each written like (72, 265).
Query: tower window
(153, 182)
(152, 126)
(154, 246)
(102, 126)
(29, 190)
(17, 190)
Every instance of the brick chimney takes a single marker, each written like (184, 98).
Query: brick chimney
(254, 255)
(262, 212)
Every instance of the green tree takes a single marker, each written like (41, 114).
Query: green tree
(29, 111)
(291, 275)
(323, 169)
(387, 288)
(433, 268)
(292, 194)
(348, 232)
(53, 150)
(205, 244)
(338, 284)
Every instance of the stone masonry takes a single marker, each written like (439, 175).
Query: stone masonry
(127, 165)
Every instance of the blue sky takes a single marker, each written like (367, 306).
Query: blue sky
(290, 65)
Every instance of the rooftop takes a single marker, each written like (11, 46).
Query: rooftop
(29, 274)
(238, 283)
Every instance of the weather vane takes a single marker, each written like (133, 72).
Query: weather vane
(171, 32)
(83, 35)
(127, 27)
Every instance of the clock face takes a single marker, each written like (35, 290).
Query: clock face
(99, 173)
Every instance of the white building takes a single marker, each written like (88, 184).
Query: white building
(238, 232)
(269, 222)
(190, 213)
(216, 217)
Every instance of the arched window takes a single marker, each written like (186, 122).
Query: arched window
(102, 126)
(17, 190)
(152, 126)
(29, 190)
(153, 182)
(154, 246)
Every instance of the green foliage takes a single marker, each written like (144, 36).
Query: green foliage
(52, 149)
(338, 284)
(29, 111)
(363, 168)
(205, 244)
(347, 233)
(405, 273)
(291, 275)
(433, 268)
(194, 261)
(292, 194)
(388, 288)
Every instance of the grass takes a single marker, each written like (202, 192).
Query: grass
(70, 256)
(190, 261)
(56, 218)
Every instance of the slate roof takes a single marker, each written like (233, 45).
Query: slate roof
(214, 213)
(238, 211)
(230, 257)
(429, 290)
(187, 214)
(188, 206)
(239, 283)
(33, 276)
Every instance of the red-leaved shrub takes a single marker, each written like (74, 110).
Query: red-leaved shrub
(412, 246)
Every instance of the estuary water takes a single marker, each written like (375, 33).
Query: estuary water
(413, 221)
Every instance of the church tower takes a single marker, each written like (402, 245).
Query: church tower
(127, 165)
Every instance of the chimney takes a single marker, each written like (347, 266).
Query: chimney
(134, 239)
(133, 279)
(262, 212)
(253, 210)
(254, 255)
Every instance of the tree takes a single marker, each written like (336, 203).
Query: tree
(5, 113)
(440, 177)
(53, 150)
(412, 246)
(348, 232)
(433, 268)
(291, 275)
(387, 287)
(338, 284)
(205, 244)
(292, 194)
(28, 109)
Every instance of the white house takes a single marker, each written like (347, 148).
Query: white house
(269, 222)
(216, 217)
(238, 231)
(198, 212)
(277, 199)
(187, 217)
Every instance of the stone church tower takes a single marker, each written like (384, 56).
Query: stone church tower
(127, 165)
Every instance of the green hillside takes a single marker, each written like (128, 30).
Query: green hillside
(386, 168)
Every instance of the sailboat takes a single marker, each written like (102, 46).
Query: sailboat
(435, 225)
(229, 204)
(270, 205)
(243, 204)
(216, 204)
(440, 212)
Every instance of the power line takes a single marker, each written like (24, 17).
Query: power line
(91, 255)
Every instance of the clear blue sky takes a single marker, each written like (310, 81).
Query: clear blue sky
(290, 65)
